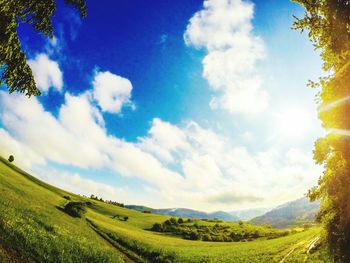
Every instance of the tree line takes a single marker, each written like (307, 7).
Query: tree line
(192, 230)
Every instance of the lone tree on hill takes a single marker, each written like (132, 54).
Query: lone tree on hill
(11, 158)
(15, 72)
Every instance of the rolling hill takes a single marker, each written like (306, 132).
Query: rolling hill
(297, 212)
(35, 226)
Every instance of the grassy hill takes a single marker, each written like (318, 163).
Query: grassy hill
(34, 228)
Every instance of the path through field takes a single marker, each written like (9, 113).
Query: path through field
(310, 246)
(126, 258)
(305, 244)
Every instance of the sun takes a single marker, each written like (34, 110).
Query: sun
(293, 122)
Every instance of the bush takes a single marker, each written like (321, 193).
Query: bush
(180, 220)
(194, 235)
(67, 197)
(173, 221)
(206, 237)
(11, 158)
(256, 234)
(157, 227)
(75, 209)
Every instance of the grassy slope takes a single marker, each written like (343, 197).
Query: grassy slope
(32, 226)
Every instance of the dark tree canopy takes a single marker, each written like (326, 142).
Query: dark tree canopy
(75, 209)
(15, 73)
(328, 24)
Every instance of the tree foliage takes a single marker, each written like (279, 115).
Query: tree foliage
(11, 158)
(216, 232)
(75, 209)
(328, 26)
(15, 73)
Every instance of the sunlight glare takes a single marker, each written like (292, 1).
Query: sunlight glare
(293, 123)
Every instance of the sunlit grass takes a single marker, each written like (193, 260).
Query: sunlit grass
(33, 226)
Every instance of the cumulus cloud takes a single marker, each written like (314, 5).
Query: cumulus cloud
(164, 140)
(224, 29)
(47, 73)
(111, 91)
(75, 183)
(52, 138)
(77, 137)
(24, 156)
(175, 163)
(217, 173)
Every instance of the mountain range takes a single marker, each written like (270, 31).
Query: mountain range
(187, 213)
(297, 212)
(248, 214)
(300, 211)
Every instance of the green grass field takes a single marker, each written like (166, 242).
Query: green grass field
(33, 228)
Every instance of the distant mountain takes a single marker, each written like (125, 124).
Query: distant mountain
(248, 214)
(293, 213)
(139, 207)
(223, 216)
(187, 213)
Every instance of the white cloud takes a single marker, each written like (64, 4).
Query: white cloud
(52, 138)
(47, 73)
(164, 139)
(77, 137)
(111, 91)
(217, 173)
(179, 165)
(23, 155)
(224, 29)
(75, 183)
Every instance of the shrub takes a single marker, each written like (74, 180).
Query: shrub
(11, 158)
(218, 238)
(227, 239)
(180, 220)
(206, 237)
(126, 218)
(173, 221)
(194, 235)
(75, 209)
(67, 197)
(256, 234)
(157, 227)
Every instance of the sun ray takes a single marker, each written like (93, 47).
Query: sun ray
(333, 104)
(340, 132)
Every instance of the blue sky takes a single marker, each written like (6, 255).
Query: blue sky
(170, 104)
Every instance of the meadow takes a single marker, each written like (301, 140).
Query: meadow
(35, 228)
